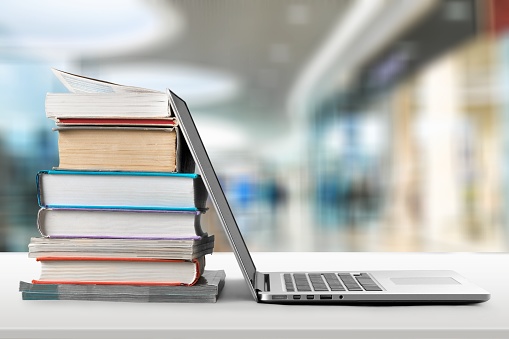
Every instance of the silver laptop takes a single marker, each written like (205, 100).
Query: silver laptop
(335, 287)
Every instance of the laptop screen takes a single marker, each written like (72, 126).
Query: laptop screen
(214, 189)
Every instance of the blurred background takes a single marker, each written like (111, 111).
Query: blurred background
(334, 125)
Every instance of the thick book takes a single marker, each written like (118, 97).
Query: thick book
(119, 223)
(180, 248)
(207, 289)
(122, 149)
(120, 190)
(119, 271)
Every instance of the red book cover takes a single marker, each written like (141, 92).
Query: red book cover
(116, 122)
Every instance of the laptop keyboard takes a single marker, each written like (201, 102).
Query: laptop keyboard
(322, 282)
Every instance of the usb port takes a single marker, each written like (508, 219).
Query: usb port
(296, 297)
(326, 296)
(278, 297)
(310, 297)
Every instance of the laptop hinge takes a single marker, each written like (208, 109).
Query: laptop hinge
(262, 282)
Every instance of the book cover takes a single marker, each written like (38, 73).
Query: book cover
(119, 223)
(121, 297)
(120, 190)
(76, 83)
(178, 248)
(138, 105)
(119, 271)
(64, 122)
(207, 289)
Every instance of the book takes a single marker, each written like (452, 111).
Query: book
(108, 105)
(182, 249)
(119, 223)
(207, 289)
(93, 98)
(120, 190)
(120, 297)
(120, 271)
(122, 149)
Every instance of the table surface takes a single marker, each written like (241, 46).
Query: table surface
(236, 314)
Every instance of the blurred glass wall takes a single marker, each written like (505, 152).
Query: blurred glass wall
(334, 125)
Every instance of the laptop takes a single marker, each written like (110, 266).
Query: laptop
(331, 287)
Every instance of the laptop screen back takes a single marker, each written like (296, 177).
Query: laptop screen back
(214, 189)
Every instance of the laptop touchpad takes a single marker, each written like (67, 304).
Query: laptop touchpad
(425, 281)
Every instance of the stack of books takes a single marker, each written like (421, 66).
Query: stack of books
(120, 216)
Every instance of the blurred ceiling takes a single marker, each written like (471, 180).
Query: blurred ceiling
(251, 66)
(254, 49)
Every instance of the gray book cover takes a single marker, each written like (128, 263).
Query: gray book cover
(207, 289)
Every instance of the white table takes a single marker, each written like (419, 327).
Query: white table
(237, 315)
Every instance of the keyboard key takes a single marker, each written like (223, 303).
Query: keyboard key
(331, 278)
(320, 288)
(303, 288)
(349, 282)
(288, 282)
(315, 277)
(333, 281)
(301, 282)
(367, 282)
(337, 288)
(317, 282)
(300, 277)
(372, 288)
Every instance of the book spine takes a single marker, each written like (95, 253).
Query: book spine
(39, 188)
(40, 222)
(200, 194)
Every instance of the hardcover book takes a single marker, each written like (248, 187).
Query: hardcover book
(119, 223)
(121, 190)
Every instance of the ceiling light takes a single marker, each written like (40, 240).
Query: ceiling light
(84, 27)
(199, 86)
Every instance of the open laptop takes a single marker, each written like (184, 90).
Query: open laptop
(337, 286)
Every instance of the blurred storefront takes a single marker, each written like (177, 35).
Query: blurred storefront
(434, 179)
